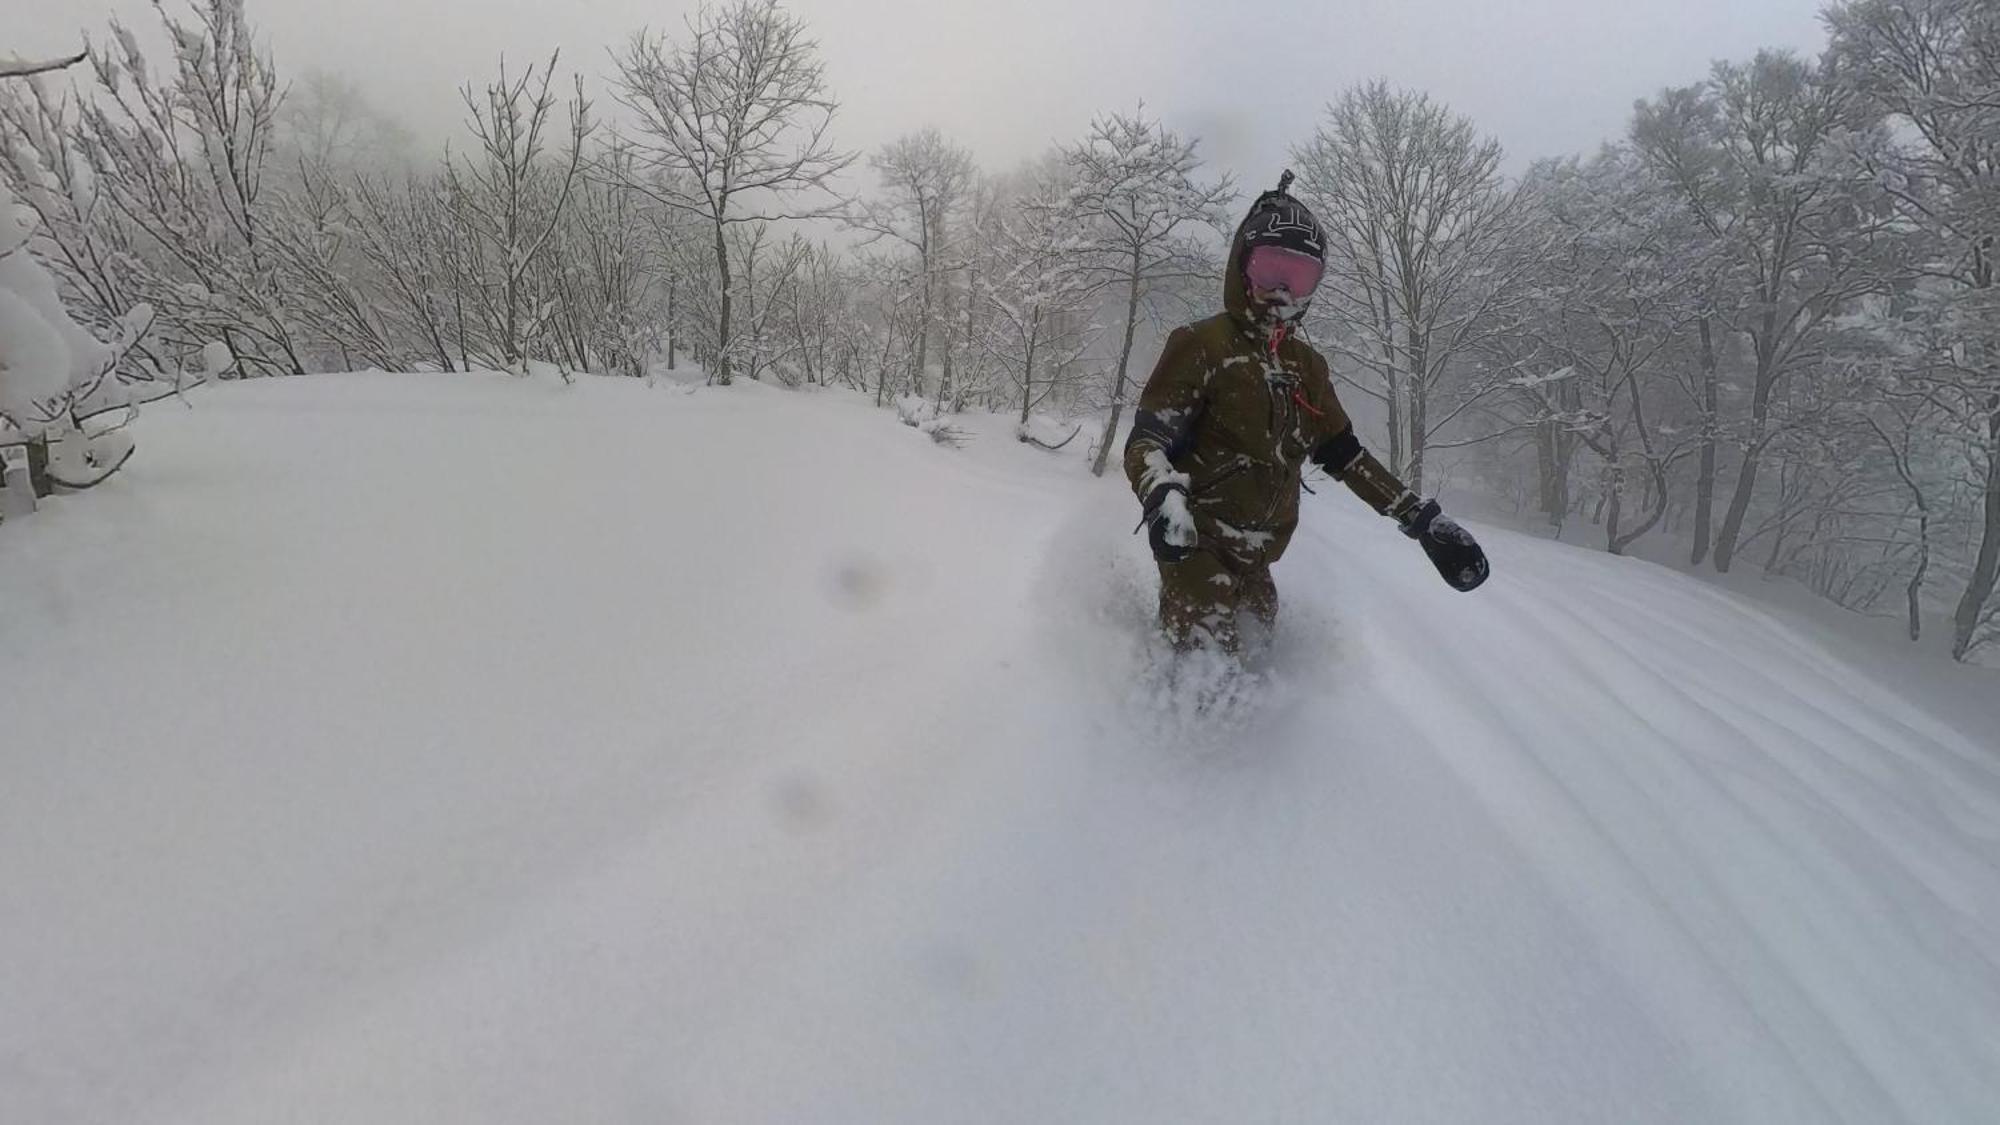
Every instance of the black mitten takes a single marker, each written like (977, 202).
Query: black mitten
(1451, 548)
(1169, 524)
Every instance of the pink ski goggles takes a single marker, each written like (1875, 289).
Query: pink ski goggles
(1270, 268)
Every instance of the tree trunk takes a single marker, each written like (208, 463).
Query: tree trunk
(1778, 534)
(1753, 450)
(923, 343)
(1118, 383)
(1704, 485)
(1614, 486)
(1916, 588)
(1028, 373)
(1393, 380)
(510, 347)
(721, 374)
(1564, 501)
(1419, 356)
(1545, 466)
(1739, 507)
(1760, 407)
(882, 363)
(753, 365)
(673, 332)
(945, 380)
(1656, 509)
(1986, 568)
(971, 287)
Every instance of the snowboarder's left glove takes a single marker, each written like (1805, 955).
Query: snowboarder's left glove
(1451, 548)
(1169, 524)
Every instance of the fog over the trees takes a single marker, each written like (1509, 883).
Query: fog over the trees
(1004, 79)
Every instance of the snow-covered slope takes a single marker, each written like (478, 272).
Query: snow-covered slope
(405, 749)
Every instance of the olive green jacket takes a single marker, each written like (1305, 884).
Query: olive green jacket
(1233, 412)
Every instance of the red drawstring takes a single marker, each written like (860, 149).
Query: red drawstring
(1298, 393)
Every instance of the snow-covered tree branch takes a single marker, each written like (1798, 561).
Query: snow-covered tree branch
(733, 127)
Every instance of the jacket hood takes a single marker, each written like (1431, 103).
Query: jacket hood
(1235, 290)
(1275, 219)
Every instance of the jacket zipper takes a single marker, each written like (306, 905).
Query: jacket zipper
(1282, 416)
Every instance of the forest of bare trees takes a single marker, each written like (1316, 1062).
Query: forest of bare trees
(1761, 326)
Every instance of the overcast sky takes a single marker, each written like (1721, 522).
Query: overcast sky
(1006, 77)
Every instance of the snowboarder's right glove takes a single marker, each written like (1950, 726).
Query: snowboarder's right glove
(1169, 524)
(1451, 548)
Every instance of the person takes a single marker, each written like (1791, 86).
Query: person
(1236, 407)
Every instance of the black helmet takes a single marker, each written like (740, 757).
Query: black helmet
(1277, 219)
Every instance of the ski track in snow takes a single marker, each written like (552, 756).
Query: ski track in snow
(428, 749)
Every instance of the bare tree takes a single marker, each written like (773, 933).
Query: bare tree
(731, 127)
(815, 318)
(333, 297)
(327, 121)
(53, 370)
(88, 247)
(982, 259)
(1753, 155)
(1416, 215)
(925, 180)
(1139, 211)
(764, 285)
(603, 282)
(183, 166)
(513, 200)
(887, 319)
(1035, 325)
(1934, 66)
(1901, 440)
(1612, 295)
(404, 231)
(679, 258)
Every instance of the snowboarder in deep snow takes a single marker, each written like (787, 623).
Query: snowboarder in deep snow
(1234, 409)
